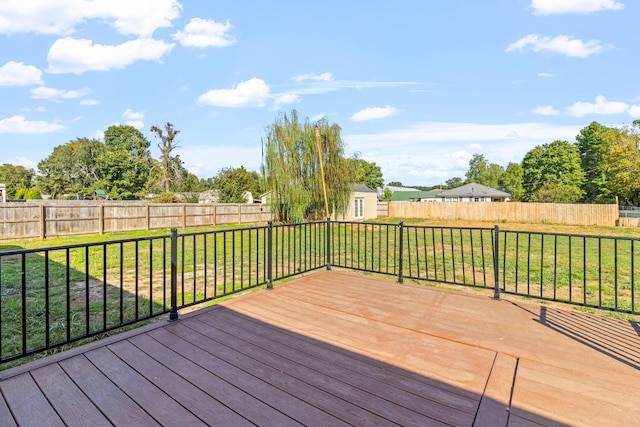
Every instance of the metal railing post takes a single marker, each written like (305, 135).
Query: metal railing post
(400, 252)
(173, 314)
(496, 263)
(269, 255)
(328, 244)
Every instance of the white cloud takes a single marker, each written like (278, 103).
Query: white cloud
(139, 17)
(634, 111)
(428, 153)
(324, 77)
(133, 118)
(69, 55)
(89, 102)
(251, 93)
(23, 161)
(560, 44)
(204, 33)
(546, 110)
(99, 134)
(373, 113)
(17, 74)
(548, 7)
(76, 119)
(601, 106)
(286, 98)
(132, 115)
(477, 147)
(138, 124)
(18, 124)
(57, 95)
(543, 74)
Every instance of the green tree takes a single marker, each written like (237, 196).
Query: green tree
(57, 171)
(551, 192)
(454, 182)
(368, 174)
(395, 184)
(593, 142)
(512, 180)
(292, 169)
(16, 178)
(492, 175)
(622, 162)
(477, 166)
(170, 166)
(483, 172)
(233, 182)
(557, 163)
(126, 163)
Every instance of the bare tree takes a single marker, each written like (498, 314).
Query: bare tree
(171, 166)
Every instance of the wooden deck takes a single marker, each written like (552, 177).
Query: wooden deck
(341, 348)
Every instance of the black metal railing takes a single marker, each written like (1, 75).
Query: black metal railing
(58, 295)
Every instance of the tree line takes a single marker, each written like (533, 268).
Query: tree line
(602, 164)
(121, 165)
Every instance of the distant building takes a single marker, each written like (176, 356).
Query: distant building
(100, 195)
(416, 196)
(393, 188)
(363, 205)
(473, 192)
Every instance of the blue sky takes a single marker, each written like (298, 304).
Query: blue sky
(417, 86)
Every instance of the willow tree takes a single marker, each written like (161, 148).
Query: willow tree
(293, 176)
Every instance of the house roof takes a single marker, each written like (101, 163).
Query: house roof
(393, 188)
(474, 190)
(405, 196)
(359, 188)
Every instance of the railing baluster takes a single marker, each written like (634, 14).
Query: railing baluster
(173, 315)
(496, 262)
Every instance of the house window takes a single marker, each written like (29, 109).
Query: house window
(359, 204)
(476, 199)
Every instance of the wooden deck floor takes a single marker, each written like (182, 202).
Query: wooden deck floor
(340, 348)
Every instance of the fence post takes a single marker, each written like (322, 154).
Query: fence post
(269, 255)
(173, 314)
(43, 221)
(101, 218)
(328, 246)
(496, 262)
(400, 252)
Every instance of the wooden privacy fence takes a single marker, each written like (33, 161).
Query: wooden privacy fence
(41, 220)
(573, 214)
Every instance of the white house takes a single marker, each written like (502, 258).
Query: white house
(473, 192)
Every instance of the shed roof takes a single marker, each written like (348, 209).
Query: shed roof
(359, 188)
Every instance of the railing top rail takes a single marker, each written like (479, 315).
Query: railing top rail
(82, 245)
(591, 236)
(226, 230)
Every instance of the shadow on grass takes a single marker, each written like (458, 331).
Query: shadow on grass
(51, 297)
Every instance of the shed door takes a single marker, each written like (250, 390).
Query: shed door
(359, 204)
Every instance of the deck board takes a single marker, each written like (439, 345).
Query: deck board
(66, 398)
(339, 348)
